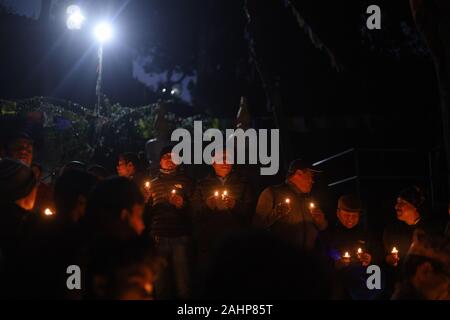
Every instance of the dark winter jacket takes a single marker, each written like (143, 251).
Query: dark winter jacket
(297, 227)
(213, 225)
(164, 219)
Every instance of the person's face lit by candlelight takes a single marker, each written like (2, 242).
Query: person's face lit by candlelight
(347, 218)
(303, 180)
(166, 162)
(21, 149)
(222, 169)
(406, 212)
(125, 169)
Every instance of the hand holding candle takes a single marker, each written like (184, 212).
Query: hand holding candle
(226, 202)
(364, 257)
(213, 201)
(176, 199)
(224, 194)
(359, 253)
(394, 253)
(283, 208)
(346, 258)
(393, 257)
(146, 192)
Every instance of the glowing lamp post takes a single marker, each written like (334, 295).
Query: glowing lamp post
(103, 33)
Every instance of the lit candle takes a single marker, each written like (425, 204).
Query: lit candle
(174, 191)
(394, 252)
(224, 194)
(216, 194)
(48, 212)
(147, 184)
(359, 253)
(346, 257)
(288, 201)
(312, 205)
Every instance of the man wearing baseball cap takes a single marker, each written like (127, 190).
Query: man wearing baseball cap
(289, 211)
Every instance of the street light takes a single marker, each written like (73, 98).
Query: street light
(103, 33)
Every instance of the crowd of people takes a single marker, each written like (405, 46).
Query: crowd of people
(137, 234)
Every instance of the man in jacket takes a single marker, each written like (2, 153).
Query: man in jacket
(288, 211)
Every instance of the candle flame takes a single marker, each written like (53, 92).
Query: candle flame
(216, 193)
(346, 255)
(287, 200)
(359, 250)
(312, 205)
(394, 250)
(48, 212)
(225, 193)
(174, 191)
(147, 184)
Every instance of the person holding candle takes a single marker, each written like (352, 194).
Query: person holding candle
(58, 239)
(349, 247)
(297, 221)
(45, 194)
(113, 221)
(18, 189)
(20, 146)
(129, 166)
(426, 269)
(169, 224)
(348, 234)
(222, 204)
(411, 214)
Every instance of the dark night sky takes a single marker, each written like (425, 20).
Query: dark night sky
(29, 8)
